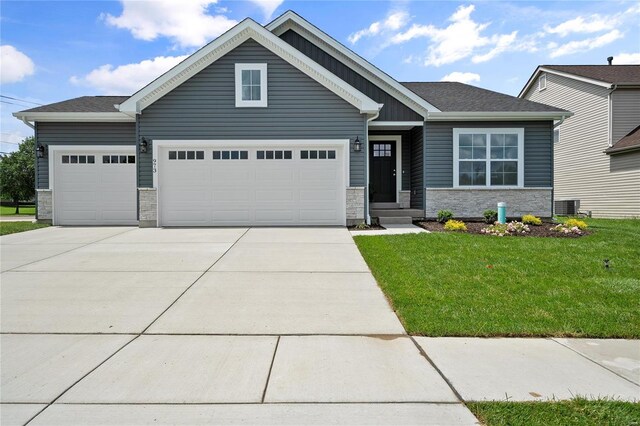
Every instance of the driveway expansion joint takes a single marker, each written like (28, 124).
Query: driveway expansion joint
(435, 367)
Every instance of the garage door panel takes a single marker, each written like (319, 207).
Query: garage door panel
(275, 216)
(232, 216)
(326, 195)
(233, 196)
(318, 215)
(275, 196)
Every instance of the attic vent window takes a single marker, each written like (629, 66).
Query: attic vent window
(251, 85)
(542, 82)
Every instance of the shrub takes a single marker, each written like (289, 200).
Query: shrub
(455, 225)
(490, 216)
(580, 224)
(444, 215)
(502, 229)
(565, 229)
(530, 219)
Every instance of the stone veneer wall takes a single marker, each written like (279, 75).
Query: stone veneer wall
(148, 207)
(45, 205)
(405, 199)
(473, 202)
(355, 205)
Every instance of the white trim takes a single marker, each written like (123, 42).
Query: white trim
(262, 102)
(542, 79)
(399, 172)
(75, 116)
(488, 131)
(247, 29)
(395, 123)
(541, 69)
(345, 144)
(290, 20)
(52, 149)
(497, 116)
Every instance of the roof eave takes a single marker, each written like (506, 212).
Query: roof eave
(495, 116)
(626, 149)
(110, 117)
(541, 69)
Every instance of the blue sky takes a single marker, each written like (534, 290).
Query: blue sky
(59, 50)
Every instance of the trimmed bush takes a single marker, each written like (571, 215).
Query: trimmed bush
(455, 225)
(444, 215)
(490, 216)
(530, 219)
(575, 223)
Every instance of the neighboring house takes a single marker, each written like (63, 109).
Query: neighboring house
(597, 153)
(283, 125)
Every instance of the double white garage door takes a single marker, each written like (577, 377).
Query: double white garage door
(250, 184)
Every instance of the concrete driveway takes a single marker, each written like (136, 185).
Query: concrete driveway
(194, 326)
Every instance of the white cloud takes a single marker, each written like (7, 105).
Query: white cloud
(461, 77)
(460, 39)
(627, 59)
(127, 79)
(14, 65)
(579, 46)
(592, 24)
(393, 22)
(268, 6)
(186, 22)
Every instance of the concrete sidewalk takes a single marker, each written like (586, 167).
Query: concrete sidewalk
(250, 326)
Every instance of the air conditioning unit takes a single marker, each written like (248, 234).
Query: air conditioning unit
(566, 207)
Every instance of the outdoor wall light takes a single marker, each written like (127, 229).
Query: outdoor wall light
(357, 145)
(40, 151)
(144, 144)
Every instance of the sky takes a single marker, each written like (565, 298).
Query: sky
(56, 50)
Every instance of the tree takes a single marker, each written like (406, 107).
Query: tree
(17, 173)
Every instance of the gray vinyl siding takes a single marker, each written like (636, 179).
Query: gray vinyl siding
(625, 112)
(581, 170)
(406, 152)
(538, 151)
(298, 108)
(393, 109)
(417, 168)
(79, 134)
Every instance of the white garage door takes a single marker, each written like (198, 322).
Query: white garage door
(251, 185)
(94, 187)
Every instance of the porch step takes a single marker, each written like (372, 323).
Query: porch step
(390, 220)
(385, 205)
(397, 213)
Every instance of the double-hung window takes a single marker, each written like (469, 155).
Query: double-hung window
(488, 157)
(251, 85)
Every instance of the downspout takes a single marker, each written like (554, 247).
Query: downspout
(610, 117)
(367, 216)
(25, 121)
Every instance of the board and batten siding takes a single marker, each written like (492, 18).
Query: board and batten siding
(625, 112)
(79, 134)
(538, 151)
(393, 109)
(582, 170)
(203, 107)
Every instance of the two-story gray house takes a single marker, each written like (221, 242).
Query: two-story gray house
(597, 151)
(283, 125)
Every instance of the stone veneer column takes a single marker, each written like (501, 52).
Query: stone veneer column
(45, 205)
(355, 205)
(405, 199)
(148, 204)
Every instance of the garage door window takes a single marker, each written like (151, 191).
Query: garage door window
(231, 155)
(318, 155)
(186, 155)
(117, 159)
(78, 159)
(274, 155)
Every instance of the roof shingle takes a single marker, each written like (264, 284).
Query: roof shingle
(613, 74)
(83, 104)
(630, 142)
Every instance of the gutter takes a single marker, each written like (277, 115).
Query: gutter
(25, 121)
(614, 151)
(496, 116)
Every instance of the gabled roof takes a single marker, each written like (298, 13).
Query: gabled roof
(247, 29)
(600, 75)
(631, 142)
(291, 20)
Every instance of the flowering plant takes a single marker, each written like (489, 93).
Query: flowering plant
(455, 225)
(580, 224)
(566, 229)
(504, 229)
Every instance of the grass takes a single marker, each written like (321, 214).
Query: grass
(452, 284)
(576, 412)
(7, 228)
(29, 210)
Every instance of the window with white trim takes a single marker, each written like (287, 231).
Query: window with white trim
(488, 157)
(542, 82)
(251, 85)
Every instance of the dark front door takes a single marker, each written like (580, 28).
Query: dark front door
(382, 172)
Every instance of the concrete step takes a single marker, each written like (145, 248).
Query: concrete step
(384, 205)
(397, 212)
(390, 220)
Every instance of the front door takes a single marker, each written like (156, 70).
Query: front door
(382, 173)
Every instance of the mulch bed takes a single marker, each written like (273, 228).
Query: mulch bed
(475, 228)
(372, 227)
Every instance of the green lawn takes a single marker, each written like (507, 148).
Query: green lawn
(13, 227)
(448, 284)
(29, 210)
(571, 413)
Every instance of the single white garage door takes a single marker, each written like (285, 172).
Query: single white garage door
(94, 187)
(251, 185)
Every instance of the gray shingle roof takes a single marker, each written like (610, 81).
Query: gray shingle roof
(83, 104)
(458, 97)
(628, 143)
(614, 74)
